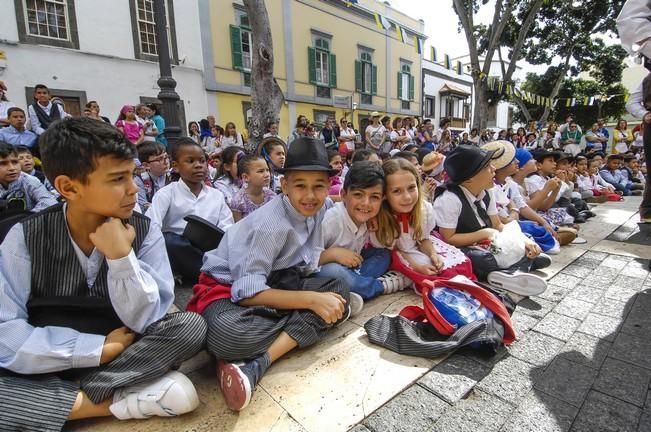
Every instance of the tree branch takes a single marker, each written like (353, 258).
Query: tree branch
(524, 31)
(557, 85)
(500, 20)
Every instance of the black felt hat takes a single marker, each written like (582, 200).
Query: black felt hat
(465, 161)
(541, 154)
(307, 154)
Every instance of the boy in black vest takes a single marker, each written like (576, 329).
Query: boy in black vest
(42, 113)
(466, 215)
(85, 289)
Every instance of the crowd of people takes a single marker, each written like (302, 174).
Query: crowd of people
(310, 228)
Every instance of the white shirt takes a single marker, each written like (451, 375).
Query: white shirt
(147, 128)
(634, 27)
(406, 242)
(33, 118)
(348, 133)
(176, 201)
(507, 193)
(230, 141)
(447, 207)
(339, 230)
(375, 133)
(635, 104)
(4, 107)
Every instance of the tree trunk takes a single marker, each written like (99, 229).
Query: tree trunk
(519, 43)
(557, 87)
(523, 108)
(480, 109)
(266, 96)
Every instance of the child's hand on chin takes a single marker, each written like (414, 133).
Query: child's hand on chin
(114, 239)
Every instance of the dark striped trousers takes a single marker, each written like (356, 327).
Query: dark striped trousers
(43, 402)
(240, 333)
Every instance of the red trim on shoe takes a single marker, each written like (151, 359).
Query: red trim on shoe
(235, 386)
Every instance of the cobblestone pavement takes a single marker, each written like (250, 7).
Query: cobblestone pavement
(582, 363)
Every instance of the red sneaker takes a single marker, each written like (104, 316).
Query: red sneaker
(235, 385)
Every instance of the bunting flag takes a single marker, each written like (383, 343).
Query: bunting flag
(418, 43)
(402, 34)
(382, 22)
(433, 54)
(459, 68)
(349, 3)
(446, 61)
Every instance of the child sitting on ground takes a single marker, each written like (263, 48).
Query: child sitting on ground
(20, 191)
(228, 182)
(86, 287)
(546, 190)
(256, 290)
(613, 176)
(589, 192)
(405, 224)
(273, 150)
(628, 167)
(566, 171)
(26, 160)
(156, 176)
(345, 237)
(336, 163)
(188, 196)
(466, 215)
(255, 176)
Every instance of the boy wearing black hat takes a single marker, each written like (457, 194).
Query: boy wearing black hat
(466, 214)
(255, 290)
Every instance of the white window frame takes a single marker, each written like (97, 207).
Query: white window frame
(63, 3)
(322, 67)
(143, 20)
(247, 56)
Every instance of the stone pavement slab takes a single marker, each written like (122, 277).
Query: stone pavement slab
(454, 378)
(604, 413)
(567, 381)
(541, 413)
(623, 381)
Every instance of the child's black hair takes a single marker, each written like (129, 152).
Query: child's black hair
(72, 146)
(6, 149)
(362, 155)
(364, 174)
(13, 110)
(41, 86)
(228, 157)
(615, 156)
(332, 154)
(182, 142)
(149, 149)
(628, 157)
(244, 163)
(405, 155)
(20, 149)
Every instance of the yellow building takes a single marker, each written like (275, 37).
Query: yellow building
(332, 59)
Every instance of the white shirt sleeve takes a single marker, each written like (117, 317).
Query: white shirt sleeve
(634, 27)
(492, 204)
(447, 209)
(635, 104)
(160, 205)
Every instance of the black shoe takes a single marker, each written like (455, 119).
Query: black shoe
(587, 214)
(541, 261)
(579, 219)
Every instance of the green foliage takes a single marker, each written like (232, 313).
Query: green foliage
(579, 89)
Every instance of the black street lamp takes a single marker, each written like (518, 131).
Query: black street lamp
(167, 84)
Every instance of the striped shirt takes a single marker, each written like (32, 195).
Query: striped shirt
(277, 237)
(141, 289)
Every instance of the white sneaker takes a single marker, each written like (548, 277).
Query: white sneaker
(393, 282)
(171, 395)
(525, 284)
(355, 304)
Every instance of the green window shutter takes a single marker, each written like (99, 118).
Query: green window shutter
(400, 85)
(411, 87)
(333, 70)
(374, 80)
(311, 64)
(236, 47)
(358, 76)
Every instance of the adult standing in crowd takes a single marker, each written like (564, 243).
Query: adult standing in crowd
(159, 122)
(374, 133)
(93, 106)
(634, 28)
(622, 137)
(327, 134)
(5, 104)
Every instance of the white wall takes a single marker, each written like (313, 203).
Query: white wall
(104, 66)
(433, 84)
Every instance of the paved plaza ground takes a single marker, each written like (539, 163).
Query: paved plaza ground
(582, 362)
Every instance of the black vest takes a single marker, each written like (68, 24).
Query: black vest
(468, 222)
(45, 119)
(58, 283)
(646, 92)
